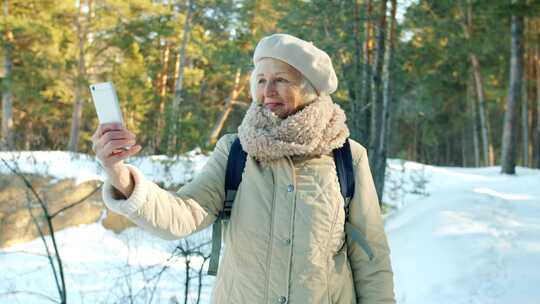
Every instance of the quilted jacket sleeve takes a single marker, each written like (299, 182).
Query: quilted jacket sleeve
(373, 279)
(173, 215)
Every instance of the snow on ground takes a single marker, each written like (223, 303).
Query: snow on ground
(82, 167)
(457, 235)
(100, 267)
(474, 239)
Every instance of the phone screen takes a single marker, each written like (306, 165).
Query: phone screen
(106, 103)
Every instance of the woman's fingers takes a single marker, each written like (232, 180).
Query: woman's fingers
(106, 127)
(111, 136)
(127, 153)
(117, 144)
(117, 157)
(115, 135)
(102, 129)
(113, 143)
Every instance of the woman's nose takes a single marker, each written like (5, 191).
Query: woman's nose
(269, 89)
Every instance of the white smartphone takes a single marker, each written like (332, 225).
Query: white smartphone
(106, 103)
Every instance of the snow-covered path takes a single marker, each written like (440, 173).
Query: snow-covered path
(474, 239)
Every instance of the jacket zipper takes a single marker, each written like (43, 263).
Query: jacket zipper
(271, 239)
(293, 215)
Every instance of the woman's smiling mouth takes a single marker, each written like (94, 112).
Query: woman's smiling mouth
(272, 105)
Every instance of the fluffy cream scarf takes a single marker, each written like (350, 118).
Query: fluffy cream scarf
(316, 129)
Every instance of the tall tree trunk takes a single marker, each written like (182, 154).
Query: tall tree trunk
(162, 95)
(537, 51)
(366, 75)
(525, 115)
(464, 154)
(80, 81)
(487, 149)
(474, 119)
(447, 154)
(387, 96)
(178, 92)
(484, 119)
(29, 136)
(479, 85)
(509, 138)
(357, 113)
(377, 101)
(229, 103)
(7, 142)
(176, 71)
(531, 113)
(376, 138)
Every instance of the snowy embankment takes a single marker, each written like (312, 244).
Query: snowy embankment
(82, 167)
(457, 236)
(474, 239)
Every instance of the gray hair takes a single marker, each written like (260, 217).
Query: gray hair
(307, 91)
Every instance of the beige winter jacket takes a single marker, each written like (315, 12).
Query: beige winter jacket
(283, 242)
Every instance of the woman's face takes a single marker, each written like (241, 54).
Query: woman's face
(278, 87)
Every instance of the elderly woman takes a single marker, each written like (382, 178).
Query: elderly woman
(286, 239)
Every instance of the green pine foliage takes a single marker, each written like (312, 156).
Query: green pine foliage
(125, 43)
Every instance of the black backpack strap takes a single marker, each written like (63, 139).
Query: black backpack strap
(233, 176)
(345, 173)
(236, 163)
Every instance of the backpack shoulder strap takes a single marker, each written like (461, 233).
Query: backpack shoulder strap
(233, 175)
(236, 162)
(345, 173)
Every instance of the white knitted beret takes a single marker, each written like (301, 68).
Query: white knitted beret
(311, 61)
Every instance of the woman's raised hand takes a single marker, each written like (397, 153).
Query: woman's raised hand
(113, 143)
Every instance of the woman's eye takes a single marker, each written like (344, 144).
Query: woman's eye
(281, 80)
(261, 81)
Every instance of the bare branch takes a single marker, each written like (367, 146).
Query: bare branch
(37, 294)
(49, 255)
(48, 218)
(77, 202)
